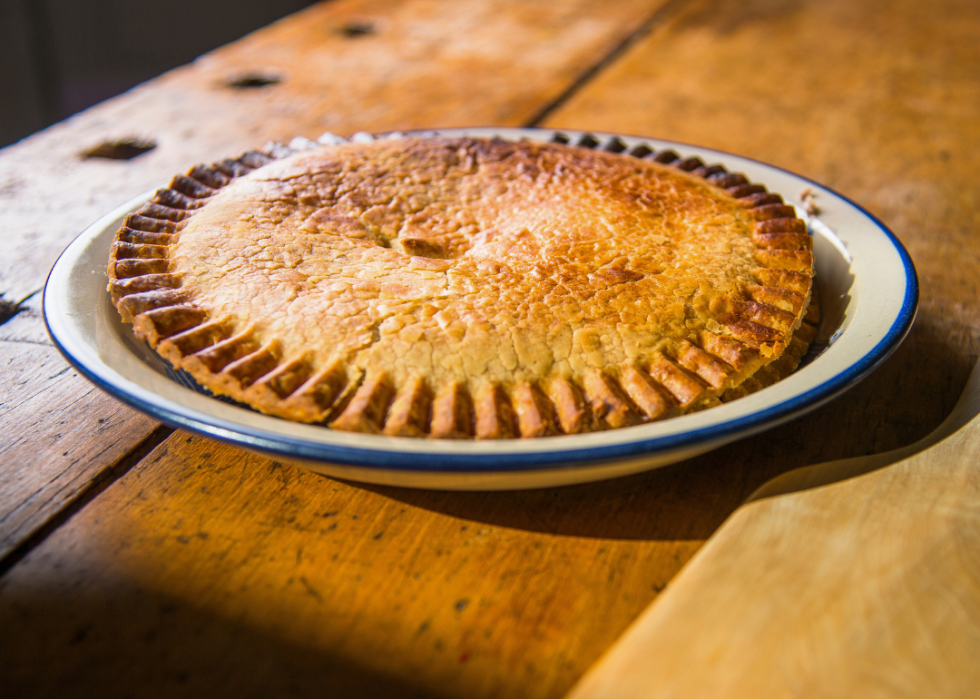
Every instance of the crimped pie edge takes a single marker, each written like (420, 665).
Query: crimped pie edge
(230, 361)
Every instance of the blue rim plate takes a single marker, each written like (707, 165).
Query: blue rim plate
(869, 294)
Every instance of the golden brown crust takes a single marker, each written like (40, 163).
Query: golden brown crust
(468, 288)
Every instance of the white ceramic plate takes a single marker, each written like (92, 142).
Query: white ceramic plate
(868, 289)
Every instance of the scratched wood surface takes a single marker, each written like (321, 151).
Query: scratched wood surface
(207, 569)
(853, 578)
(342, 66)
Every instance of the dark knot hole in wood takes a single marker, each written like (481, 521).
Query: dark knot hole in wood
(8, 309)
(122, 149)
(251, 81)
(357, 28)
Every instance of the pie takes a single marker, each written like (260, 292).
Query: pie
(468, 287)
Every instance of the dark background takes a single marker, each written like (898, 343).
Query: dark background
(58, 57)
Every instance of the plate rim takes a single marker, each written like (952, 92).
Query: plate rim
(467, 461)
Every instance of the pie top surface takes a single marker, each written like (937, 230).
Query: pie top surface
(465, 287)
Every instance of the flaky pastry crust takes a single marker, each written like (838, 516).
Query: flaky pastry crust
(465, 287)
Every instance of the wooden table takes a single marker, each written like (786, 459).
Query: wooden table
(141, 561)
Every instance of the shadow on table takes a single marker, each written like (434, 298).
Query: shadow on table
(140, 644)
(672, 503)
(690, 500)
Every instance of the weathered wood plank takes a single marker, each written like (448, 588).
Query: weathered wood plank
(419, 64)
(53, 451)
(884, 117)
(452, 594)
(850, 578)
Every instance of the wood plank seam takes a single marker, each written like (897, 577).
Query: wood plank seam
(106, 478)
(18, 341)
(657, 18)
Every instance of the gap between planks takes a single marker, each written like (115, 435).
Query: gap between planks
(657, 18)
(94, 489)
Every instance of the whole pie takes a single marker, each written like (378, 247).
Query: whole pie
(468, 287)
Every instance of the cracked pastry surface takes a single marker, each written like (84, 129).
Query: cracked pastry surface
(466, 287)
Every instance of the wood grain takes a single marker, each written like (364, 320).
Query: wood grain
(53, 450)
(852, 578)
(446, 594)
(884, 118)
(420, 64)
